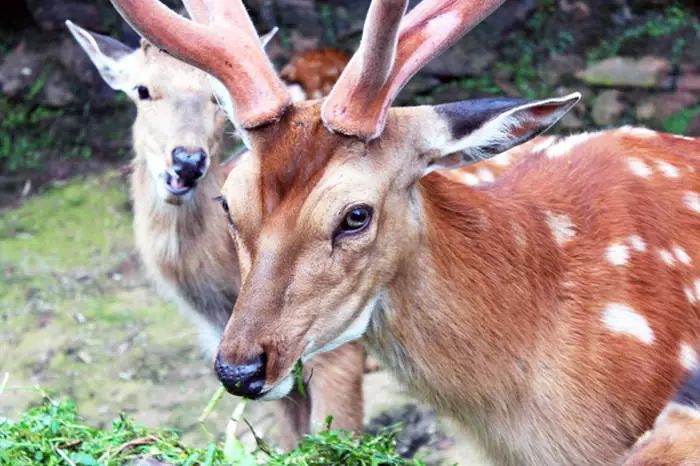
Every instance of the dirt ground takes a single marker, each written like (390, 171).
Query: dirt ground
(78, 319)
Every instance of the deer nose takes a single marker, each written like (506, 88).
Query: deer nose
(189, 164)
(246, 380)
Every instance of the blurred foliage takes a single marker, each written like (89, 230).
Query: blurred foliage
(52, 434)
(28, 133)
(669, 21)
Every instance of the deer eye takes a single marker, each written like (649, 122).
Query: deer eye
(355, 220)
(143, 92)
(224, 205)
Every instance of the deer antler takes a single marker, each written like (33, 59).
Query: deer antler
(198, 10)
(360, 100)
(227, 47)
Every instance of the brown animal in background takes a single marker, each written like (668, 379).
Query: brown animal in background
(180, 233)
(551, 312)
(675, 438)
(316, 71)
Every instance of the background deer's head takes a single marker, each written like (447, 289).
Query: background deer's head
(179, 127)
(326, 206)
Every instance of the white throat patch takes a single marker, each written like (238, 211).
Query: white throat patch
(355, 330)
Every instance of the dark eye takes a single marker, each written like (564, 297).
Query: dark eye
(355, 220)
(143, 92)
(224, 205)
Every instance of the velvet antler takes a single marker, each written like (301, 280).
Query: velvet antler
(226, 45)
(360, 100)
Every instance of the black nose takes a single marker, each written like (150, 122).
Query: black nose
(246, 380)
(189, 164)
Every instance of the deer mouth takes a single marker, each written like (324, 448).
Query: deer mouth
(178, 186)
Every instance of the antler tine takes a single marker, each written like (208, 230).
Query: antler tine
(227, 47)
(198, 10)
(356, 109)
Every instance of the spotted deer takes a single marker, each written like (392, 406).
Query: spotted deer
(180, 233)
(553, 312)
(675, 437)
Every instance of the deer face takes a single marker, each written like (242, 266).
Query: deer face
(322, 222)
(326, 206)
(179, 127)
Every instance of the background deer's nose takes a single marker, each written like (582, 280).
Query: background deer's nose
(246, 380)
(189, 164)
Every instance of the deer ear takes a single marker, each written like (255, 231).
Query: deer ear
(474, 130)
(106, 54)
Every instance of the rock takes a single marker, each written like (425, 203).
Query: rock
(658, 107)
(466, 58)
(689, 81)
(420, 84)
(647, 72)
(37, 74)
(607, 108)
(302, 21)
(694, 127)
(561, 66)
(505, 18)
(50, 14)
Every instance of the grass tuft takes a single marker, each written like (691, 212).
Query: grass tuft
(52, 434)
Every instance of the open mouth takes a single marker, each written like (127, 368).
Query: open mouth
(177, 186)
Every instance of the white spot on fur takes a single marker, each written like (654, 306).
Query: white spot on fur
(685, 138)
(617, 254)
(667, 169)
(681, 255)
(561, 226)
(692, 200)
(696, 285)
(502, 160)
(637, 243)
(690, 295)
(639, 167)
(689, 357)
(486, 175)
(544, 144)
(667, 257)
(638, 132)
(564, 146)
(621, 318)
(470, 179)
(296, 92)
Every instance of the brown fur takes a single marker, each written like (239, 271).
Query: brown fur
(185, 246)
(675, 442)
(483, 314)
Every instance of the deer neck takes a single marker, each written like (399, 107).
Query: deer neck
(462, 319)
(186, 246)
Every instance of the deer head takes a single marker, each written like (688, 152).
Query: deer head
(179, 124)
(324, 209)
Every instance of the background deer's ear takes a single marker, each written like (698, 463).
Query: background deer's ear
(106, 54)
(474, 130)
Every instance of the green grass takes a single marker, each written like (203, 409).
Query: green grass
(53, 434)
(669, 21)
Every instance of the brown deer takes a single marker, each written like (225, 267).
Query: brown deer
(180, 233)
(553, 312)
(675, 438)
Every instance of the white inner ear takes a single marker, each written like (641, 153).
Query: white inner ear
(115, 72)
(498, 131)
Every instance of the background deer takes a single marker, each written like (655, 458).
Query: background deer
(553, 312)
(675, 438)
(179, 230)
